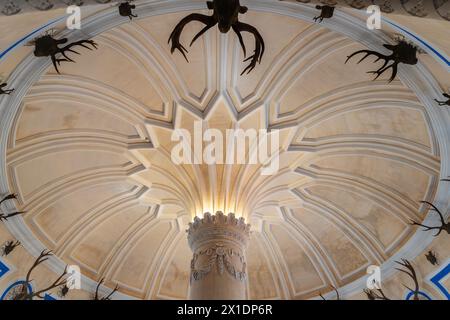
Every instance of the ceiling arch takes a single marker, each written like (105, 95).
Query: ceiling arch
(147, 127)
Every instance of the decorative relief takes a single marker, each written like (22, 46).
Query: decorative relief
(10, 8)
(15, 289)
(418, 8)
(214, 240)
(212, 227)
(398, 37)
(358, 4)
(219, 219)
(73, 2)
(41, 4)
(222, 257)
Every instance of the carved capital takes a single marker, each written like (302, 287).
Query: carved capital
(218, 227)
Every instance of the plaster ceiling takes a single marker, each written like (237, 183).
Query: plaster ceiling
(89, 154)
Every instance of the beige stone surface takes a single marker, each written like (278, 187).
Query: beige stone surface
(89, 155)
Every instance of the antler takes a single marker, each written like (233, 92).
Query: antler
(4, 216)
(259, 44)
(412, 274)
(9, 215)
(5, 91)
(68, 48)
(374, 295)
(435, 209)
(241, 40)
(9, 197)
(317, 18)
(81, 43)
(379, 56)
(43, 256)
(112, 292)
(24, 295)
(443, 103)
(13, 244)
(176, 33)
(337, 294)
(9, 246)
(56, 62)
(96, 289)
(428, 228)
(60, 281)
(96, 297)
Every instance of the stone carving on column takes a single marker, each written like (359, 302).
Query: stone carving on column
(221, 257)
(218, 266)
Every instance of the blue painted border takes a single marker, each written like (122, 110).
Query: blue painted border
(436, 280)
(423, 42)
(13, 285)
(48, 297)
(421, 293)
(27, 37)
(4, 269)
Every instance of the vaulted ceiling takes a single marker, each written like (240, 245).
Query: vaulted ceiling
(89, 152)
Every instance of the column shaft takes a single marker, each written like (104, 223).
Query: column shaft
(218, 266)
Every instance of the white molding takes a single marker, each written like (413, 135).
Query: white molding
(416, 78)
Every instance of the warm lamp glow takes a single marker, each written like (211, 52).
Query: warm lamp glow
(213, 210)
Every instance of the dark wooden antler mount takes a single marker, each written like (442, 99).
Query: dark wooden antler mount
(376, 294)
(326, 12)
(107, 297)
(24, 294)
(431, 257)
(443, 226)
(403, 52)
(444, 103)
(225, 15)
(412, 274)
(6, 216)
(5, 91)
(9, 247)
(335, 290)
(47, 46)
(126, 10)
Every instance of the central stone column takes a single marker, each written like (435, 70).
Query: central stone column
(218, 265)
